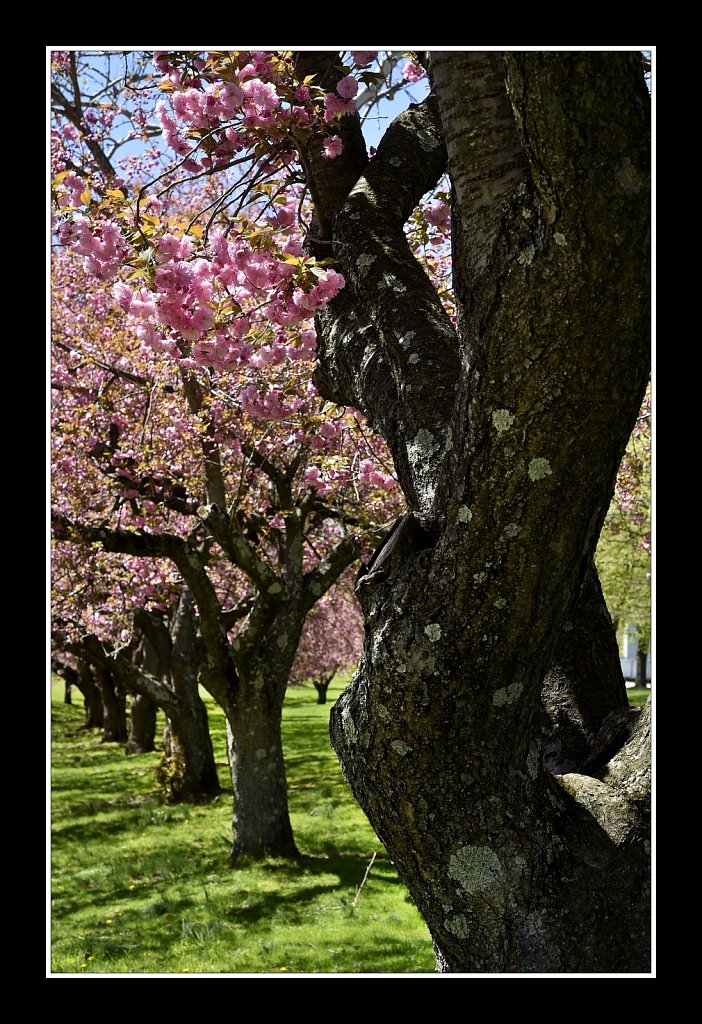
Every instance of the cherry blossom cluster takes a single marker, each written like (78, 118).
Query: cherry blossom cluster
(226, 103)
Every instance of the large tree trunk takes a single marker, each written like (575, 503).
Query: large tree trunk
(142, 725)
(92, 701)
(190, 762)
(641, 660)
(584, 685)
(249, 676)
(261, 819)
(507, 441)
(114, 707)
(321, 685)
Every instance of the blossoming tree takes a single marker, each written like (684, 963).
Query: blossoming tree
(332, 639)
(187, 432)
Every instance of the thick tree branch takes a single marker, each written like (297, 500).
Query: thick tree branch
(629, 771)
(125, 542)
(214, 478)
(387, 344)
(240, 610)
(330, 181)
(242, 553)
(280, 480)
(131, 677)
(219, 662)
(485, 157)
(323, 576)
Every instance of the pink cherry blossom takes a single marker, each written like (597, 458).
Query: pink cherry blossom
(362, 57)
(412, 72)
(438, 213)
(333, 147)
(347, 87)
(334, 106)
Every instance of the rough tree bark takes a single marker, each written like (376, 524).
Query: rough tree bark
(507, 433)
(92, 702)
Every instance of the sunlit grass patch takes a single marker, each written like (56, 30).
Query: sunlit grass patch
(141, 887)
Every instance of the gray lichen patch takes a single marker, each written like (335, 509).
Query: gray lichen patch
(560, 239)
(464, 514)
(394, 284)
(364, 263)
(539, 468)
(457, 925)
(511, 530)
(500, 602)
(507, 694)
(502, 419)
(400, 748)
(533, 758)
(526, 256)
(414, 358)
(476, 868)
(426, 140)
(424, 440)
(383, 713)
(433, 631)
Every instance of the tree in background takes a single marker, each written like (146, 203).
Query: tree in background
(332, 639)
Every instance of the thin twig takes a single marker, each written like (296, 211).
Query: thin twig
(365, 877)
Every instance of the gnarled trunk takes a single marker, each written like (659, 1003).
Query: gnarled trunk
(321, 685)
(261, 818)
(506, 435)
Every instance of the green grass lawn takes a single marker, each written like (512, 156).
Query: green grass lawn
(637, 698)
(144, 888)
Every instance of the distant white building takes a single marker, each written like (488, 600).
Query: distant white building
(629, 653)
